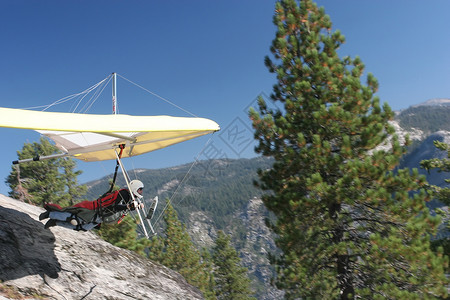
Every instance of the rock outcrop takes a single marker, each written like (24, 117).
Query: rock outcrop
(64, 264)
(258, 244)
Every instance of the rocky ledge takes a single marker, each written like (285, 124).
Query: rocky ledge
(64, 264)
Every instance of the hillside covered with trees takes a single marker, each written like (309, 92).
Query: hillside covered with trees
(219, 192)
(428, 118)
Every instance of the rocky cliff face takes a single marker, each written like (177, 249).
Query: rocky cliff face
(258, 244)
(66, 264)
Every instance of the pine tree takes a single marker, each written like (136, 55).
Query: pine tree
(40, 179)
(180, 254)
(124, 235)
(208, 267)
(347, 223)
(51, 180)
(74, 191)
(230, 277)
(442, 165)
(156, 248)
(442, 193)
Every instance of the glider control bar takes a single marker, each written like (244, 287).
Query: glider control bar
(132, 195)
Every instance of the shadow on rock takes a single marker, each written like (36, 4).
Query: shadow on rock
(26, 248)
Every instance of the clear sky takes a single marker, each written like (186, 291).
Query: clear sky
(205, 56)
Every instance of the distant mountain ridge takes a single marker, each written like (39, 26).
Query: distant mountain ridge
(219, 187)
(427, 118)
(425, 123)
(435, 102)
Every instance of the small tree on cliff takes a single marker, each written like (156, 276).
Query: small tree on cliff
(231, 278)
(40, 179)
(51, 180)
(124, 235)
(73, 190)
(177, 251)
(347, 224)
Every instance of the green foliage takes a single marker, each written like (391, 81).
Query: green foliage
(348, 226)
(442, 165)
(124, 235)
(176, 251)
(74, 191)
(442, 193)
(218, 276)
(40, 182)
(230, 277)
(442, 246)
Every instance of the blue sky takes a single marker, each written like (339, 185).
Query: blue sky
(205, 56)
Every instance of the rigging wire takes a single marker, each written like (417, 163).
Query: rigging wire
(98, 89)
(158, 96)
(182, 181)
(86, 92)
(95, 96)
(70, 97)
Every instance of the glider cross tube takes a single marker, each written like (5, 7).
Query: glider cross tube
(38, 158)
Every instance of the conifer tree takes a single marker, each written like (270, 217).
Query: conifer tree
(231, 278)
(441, 165)
(442, 193)
(180, 254)
(40, 179)
(208, 267)
(53, 180)
(156, 248)
(69, 176)
(124, 235)
(347, 223)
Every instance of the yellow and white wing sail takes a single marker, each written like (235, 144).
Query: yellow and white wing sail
(92, 137)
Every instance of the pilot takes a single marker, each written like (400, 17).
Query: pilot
(111, 207)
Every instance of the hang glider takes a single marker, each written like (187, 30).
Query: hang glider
(90, 137)
(93, 137)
